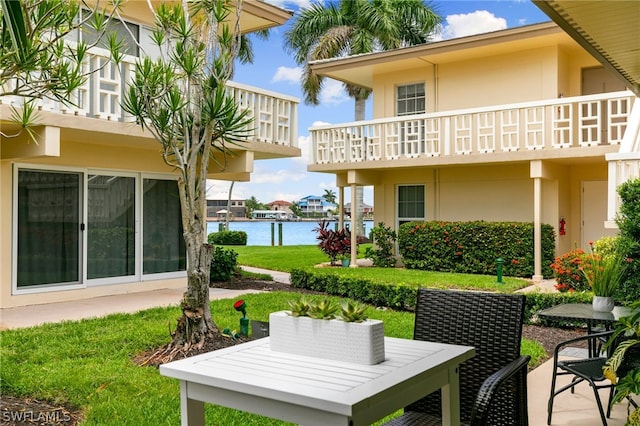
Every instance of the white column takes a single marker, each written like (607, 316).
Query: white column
(354, 234)
(537, 230)
(341, 207)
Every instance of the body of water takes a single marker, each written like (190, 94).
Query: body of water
(293, 233)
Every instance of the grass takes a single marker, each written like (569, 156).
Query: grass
(87, 364)
(286, 258)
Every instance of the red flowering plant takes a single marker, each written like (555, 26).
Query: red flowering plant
(333, 243)
(567, 270)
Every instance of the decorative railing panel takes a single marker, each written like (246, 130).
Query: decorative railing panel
(584, 121)
(100, 97)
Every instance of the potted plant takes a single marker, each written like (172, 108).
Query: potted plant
(345, 259)
(604, 272)
(325, 329)
(623, 366)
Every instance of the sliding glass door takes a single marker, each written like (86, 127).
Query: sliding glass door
(111, 229)
(133, 228)
(48, 228)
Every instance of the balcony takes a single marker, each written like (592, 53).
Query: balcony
(543, 129)
(275, 115)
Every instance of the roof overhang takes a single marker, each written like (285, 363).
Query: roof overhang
(256, 14)
(608, 30)
(360, 69)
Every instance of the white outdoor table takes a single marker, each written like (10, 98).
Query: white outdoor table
(316, 391)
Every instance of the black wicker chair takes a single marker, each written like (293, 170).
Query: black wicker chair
(493, 384)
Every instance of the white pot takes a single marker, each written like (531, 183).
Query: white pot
(602, 304)
(361, 343)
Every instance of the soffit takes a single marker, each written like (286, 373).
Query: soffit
(609, 30)
(256, 15)
(360, 70)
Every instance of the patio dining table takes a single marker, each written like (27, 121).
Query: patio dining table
(316, 391)
(584, 313)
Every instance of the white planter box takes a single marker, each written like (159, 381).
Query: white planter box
(361, 343)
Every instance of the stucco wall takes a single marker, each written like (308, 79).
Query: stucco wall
(530, 75)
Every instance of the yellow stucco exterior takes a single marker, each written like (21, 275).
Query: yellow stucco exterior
(457, 148)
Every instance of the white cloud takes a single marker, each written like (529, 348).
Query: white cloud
(265, 175)
(333, 93)
(289, 75)
(295, 3)
(478, 22)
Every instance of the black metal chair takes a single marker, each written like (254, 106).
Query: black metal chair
(493, 384)
(583, 370)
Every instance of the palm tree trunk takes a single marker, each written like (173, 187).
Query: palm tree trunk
(357, 210)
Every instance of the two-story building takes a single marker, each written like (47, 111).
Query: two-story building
(91, 209)
(314, 206)
(217, 209)
(512, 125)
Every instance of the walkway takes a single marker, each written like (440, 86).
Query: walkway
(570, 409)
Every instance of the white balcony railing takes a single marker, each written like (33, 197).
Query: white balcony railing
(545, 125)
(275, 115)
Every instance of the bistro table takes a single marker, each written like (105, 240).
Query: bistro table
(316, 391)
(584, 313)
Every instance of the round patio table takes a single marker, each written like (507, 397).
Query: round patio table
(584, 313)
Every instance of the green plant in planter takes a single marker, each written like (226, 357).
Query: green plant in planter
(604, 272)
(623, 367)
(352, 311)
(299, 307)
(323, 309)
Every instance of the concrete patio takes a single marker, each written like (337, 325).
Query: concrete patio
(569, 409)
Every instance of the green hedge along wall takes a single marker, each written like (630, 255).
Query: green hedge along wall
(473, 247)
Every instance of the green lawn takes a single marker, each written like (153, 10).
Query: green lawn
(286, 258)
(88, 364)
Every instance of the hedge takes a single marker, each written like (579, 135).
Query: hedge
(474, 247)
(403, 297)
(228, 238)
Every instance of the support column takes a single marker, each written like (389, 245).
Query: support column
(537, 230)
(354, 234)
(341, 207)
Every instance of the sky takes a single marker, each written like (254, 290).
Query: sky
(275, 69)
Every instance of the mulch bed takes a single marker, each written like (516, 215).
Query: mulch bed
(29, 412)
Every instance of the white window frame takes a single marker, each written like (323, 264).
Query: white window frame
(397, 204)
(423, 97)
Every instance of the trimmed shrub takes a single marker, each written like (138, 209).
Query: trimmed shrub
(403, 297)
(473, 247)
(223, 265)
(228, 238)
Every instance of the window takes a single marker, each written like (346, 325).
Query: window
(126, 31)
(410, 99)
(411, 201)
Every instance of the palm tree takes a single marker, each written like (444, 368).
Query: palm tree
(353, 27)
(329, 196)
